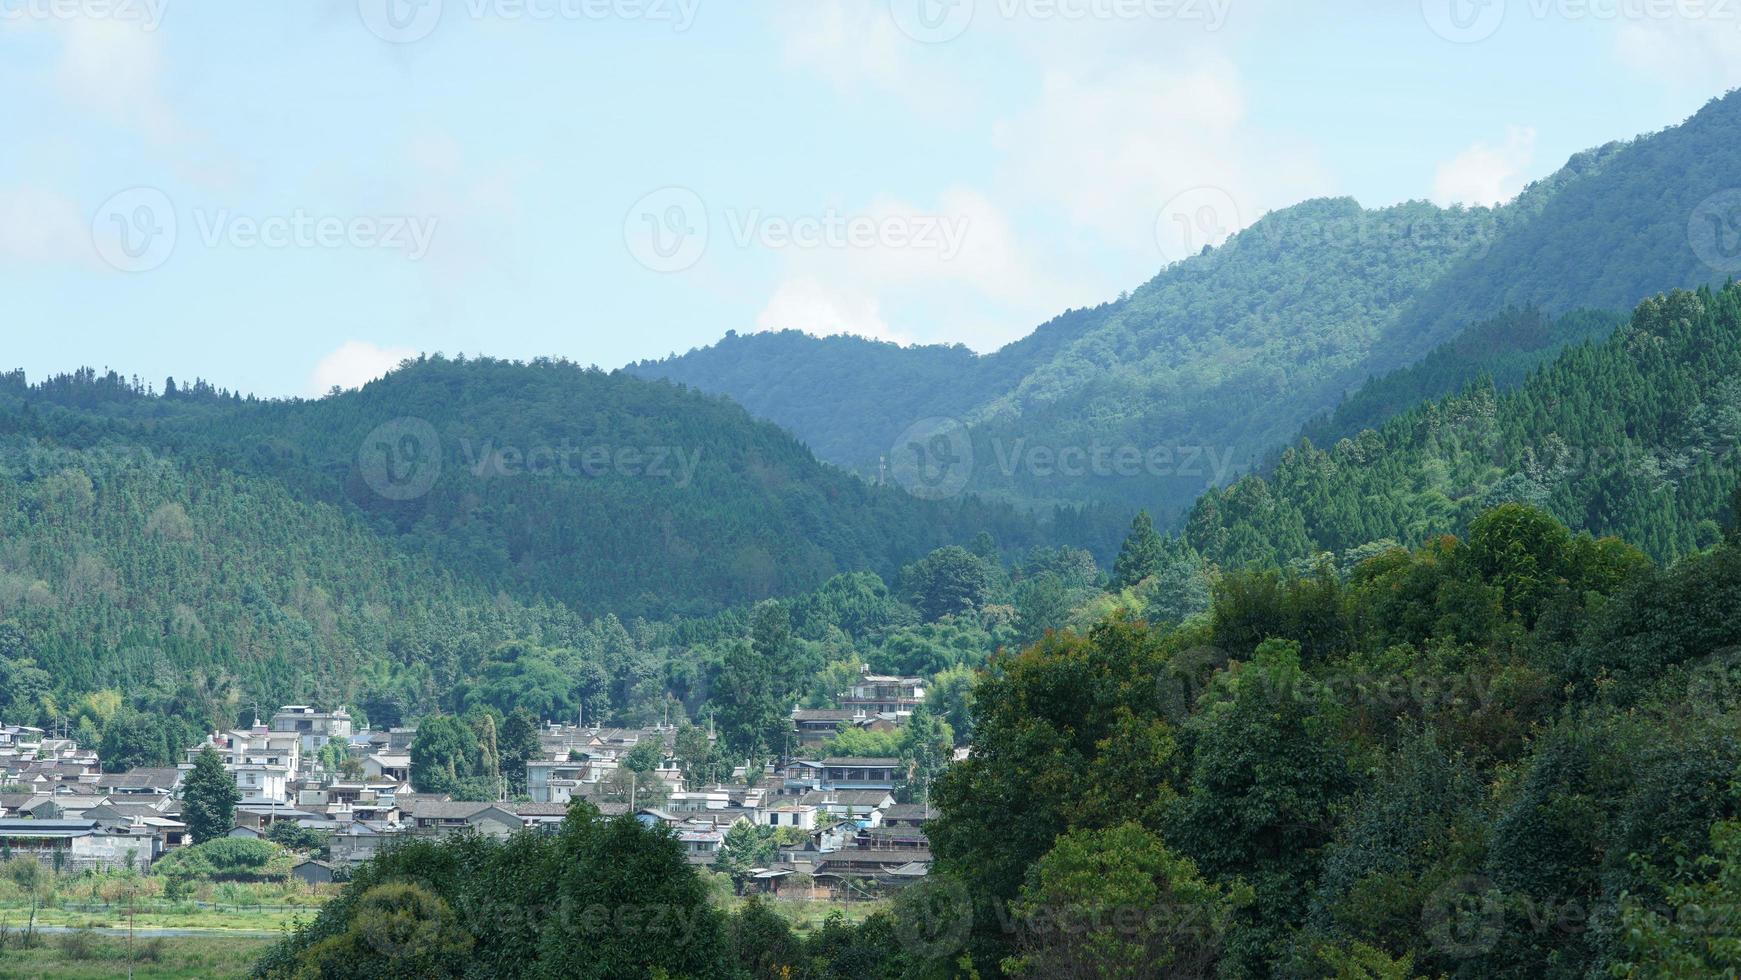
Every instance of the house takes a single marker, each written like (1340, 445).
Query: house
(797, 815)
(312, 871)
(245, 833)
(907, 815)
(845, 773)
(145, 781)
(700, 845)
(312, 727)
(382, 765)
(858, 867)
(814, 726)
(550, 781)
(883, 694)
(75, 845)
(447, 817)
(541, 815)
(862, 806)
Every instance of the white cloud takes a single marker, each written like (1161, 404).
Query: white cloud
(114, 68)
(1110, 149)
(1485, 174)
(855, 44)
(969, 267)
(40, 225)
(817, 308)
(354, 364)
(1701, 52)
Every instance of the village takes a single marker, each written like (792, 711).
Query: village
(824, 828)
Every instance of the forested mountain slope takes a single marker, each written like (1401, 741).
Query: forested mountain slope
(1230, 352)
(1506, 349)
(1634, 436)
(606, 492)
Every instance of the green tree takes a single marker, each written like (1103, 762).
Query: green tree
(1141, 555)
(443, 753)
(209, 797)
(947, 582)
(519, 745)
(1116, 903)
(751, 721)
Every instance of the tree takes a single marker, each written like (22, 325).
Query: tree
(693, 751)
(519, 745)
(443, 754)
(132, 739)
(647, 756)
(1267, 777)
(752, 723)
(947, 582)
(1116, 903)
(1141, 555)
(746, 846)
(209, 798)
(926, 746)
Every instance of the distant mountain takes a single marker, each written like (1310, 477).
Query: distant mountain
(1224, 356)
(606, 492)
(1504, 349)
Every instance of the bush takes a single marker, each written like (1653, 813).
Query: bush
(227, 859)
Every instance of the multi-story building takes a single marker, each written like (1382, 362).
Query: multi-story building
(312, 726)
(884, 694)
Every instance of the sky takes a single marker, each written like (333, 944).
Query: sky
(283, 196)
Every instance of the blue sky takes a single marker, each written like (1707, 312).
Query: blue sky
(282, 196)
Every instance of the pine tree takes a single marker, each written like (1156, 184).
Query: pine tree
(209, 798)
(1141, 555)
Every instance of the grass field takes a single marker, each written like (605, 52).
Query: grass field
(83, 956)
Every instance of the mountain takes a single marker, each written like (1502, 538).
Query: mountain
(605, 492)
(1224, 356)
(1637, 435)
(1504, 349)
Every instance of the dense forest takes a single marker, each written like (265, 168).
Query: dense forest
(1235, 349)
(1511, 754)
(1635, 436)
